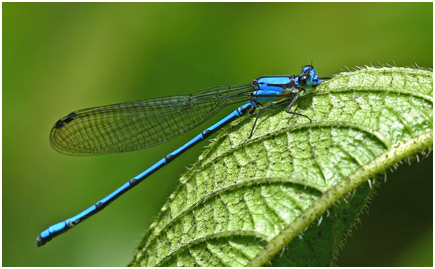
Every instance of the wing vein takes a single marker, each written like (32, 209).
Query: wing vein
(140, 124)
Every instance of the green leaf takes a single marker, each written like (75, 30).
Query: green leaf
(291, 194)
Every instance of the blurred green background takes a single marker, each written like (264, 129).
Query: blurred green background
(59, 57)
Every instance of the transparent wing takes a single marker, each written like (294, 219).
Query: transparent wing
(140, 124)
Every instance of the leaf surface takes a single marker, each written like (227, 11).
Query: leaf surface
(290, 194)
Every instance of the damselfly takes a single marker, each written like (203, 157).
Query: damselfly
(141, 124)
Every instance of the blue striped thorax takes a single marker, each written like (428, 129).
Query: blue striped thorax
(274, 88)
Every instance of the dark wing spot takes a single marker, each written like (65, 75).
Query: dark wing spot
(70, 117)
(60, 123)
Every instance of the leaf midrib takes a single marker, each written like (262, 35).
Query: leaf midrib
(378, 165)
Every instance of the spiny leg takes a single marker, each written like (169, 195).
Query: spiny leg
(258, 115)
(276, 104)
(295, 113)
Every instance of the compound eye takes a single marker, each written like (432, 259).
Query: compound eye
(305, 81)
